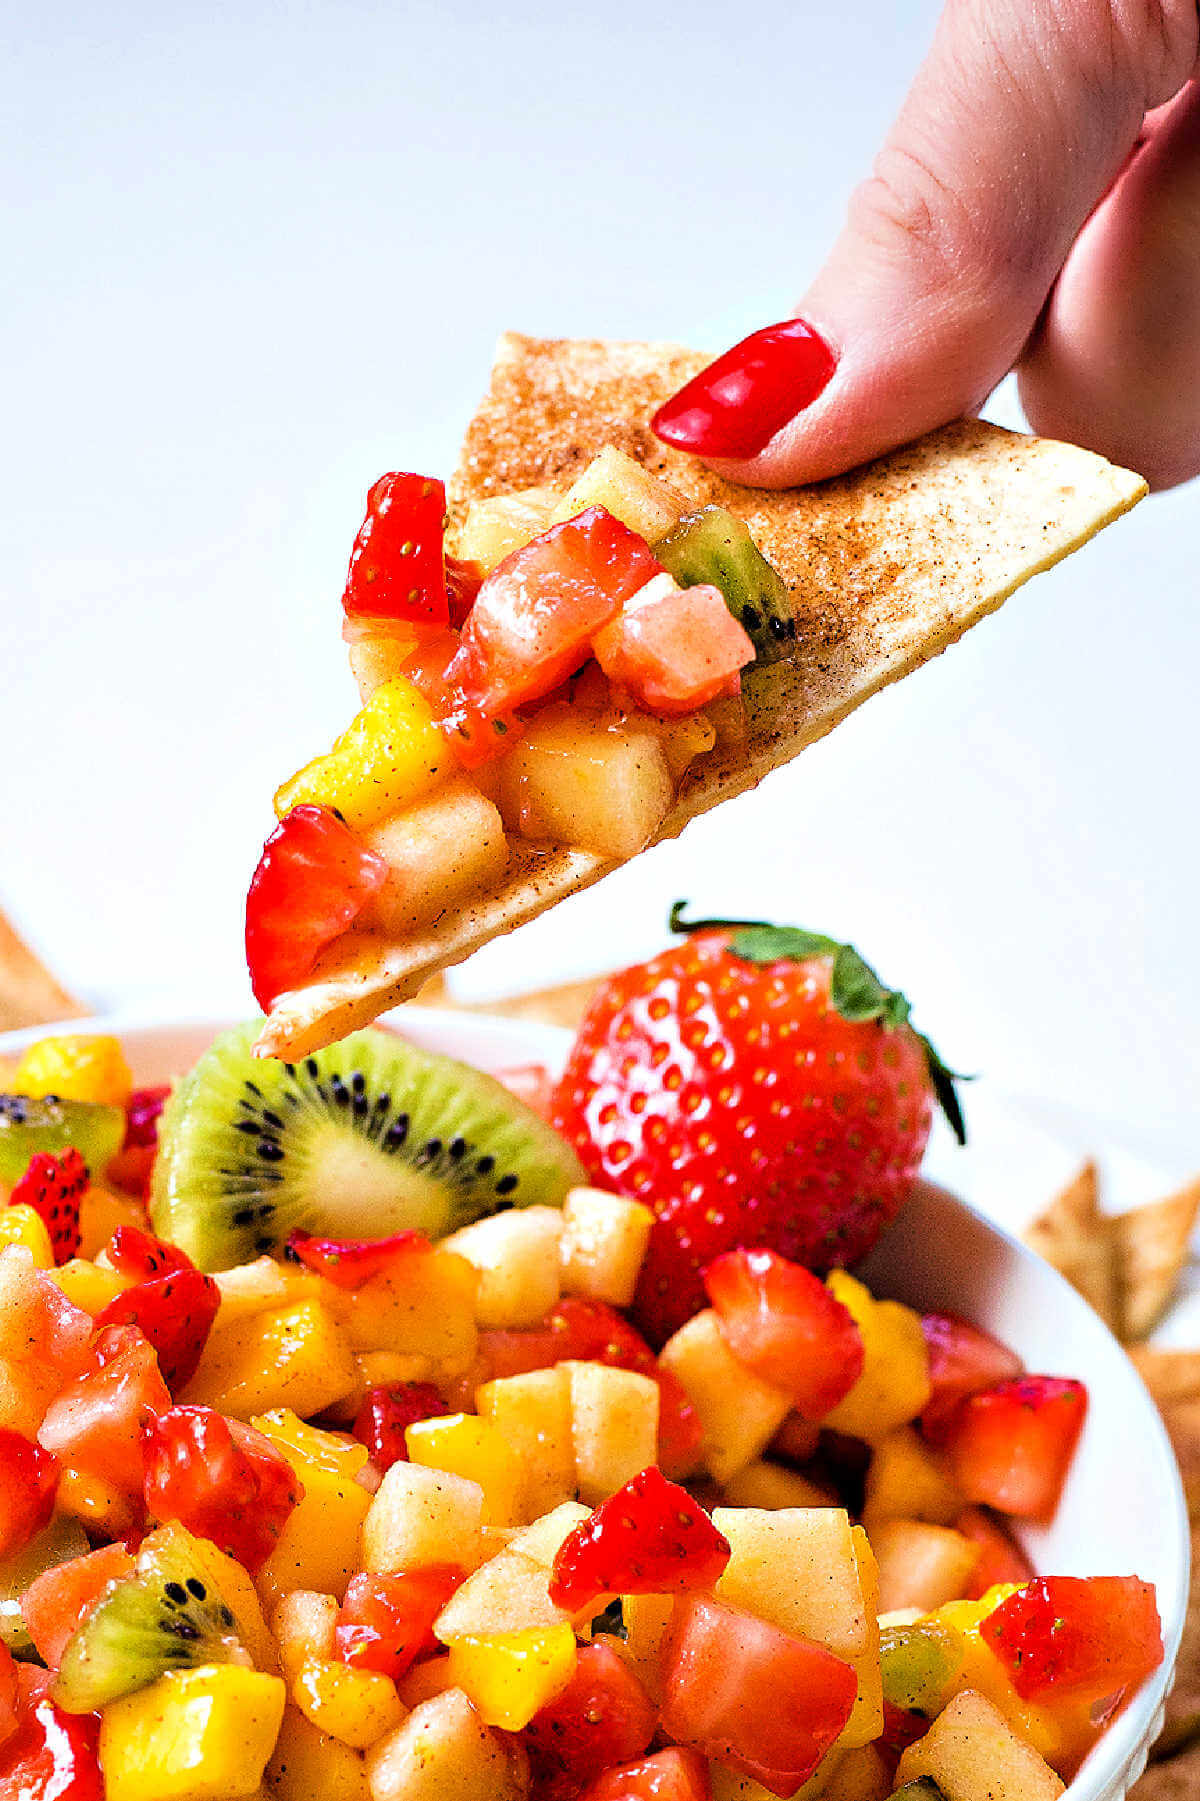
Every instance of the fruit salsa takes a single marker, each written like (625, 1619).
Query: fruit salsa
(373, 1431)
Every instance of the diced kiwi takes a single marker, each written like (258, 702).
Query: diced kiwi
(167, 1614)
(60, 1541)
(368, 1137)
(29, 1126)
(918, 1663)
(715, 546)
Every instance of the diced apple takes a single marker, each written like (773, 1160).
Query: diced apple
(730, 1785)
(426, 1678)
(798, 1570)
(421, 1517)
(590, 780)
(439, 853)
(603, 1243)
(509, 1593)
(516, 1255)
(921, 1565)
(771, 1485)
(614, 1424)
(612, 480)
(533, 1412)
(443, 1749)
(906, 1479)
(857, 1775)
(973, 1754)
(378, 656)
(495, 527)
(544, 1538)
(306, 1762)
(740, 1414)
(303, 1625)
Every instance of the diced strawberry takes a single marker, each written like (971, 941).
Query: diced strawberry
(222, 1480)
(396, 567)
(94, 1425)
(741, 1691)
(901, 1728)
(603, 1717)
(674, 649)
(674, 1774)
(436, 667)
(143, 1257)
(538, 611)
(1076, 1638)
(796, 1441)
(55, 1602)
(387, 1413)
(783, 1323)
(28, 1485)
(176, 1313)
(313, 880)
(531, 1083)
(53, 1186)
(386, 1622)
(1001, 1559)
(1011, 1446)
(10, 1694)
(53, 1756)
(131, 1168)
(963, 1360)
(349, 1262)
(648, 1538)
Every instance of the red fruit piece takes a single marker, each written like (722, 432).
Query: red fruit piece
(675, 1774)
(142, 1257)
(436, 668)
(756, 1086)
(1011, 1447)
(743, 1692)
(386, 1622)
(650, 1538)
(176, 1313)
(1001, 1559)
(28, 1485)
(349, 1262)
(463, 582)
(387, 1413)
(10, 1694)
(531, 1083)
(674, 649)
(782, 1322)
(313, 880)
(55, 1602)
(133, 1164)
(536, 614)
(603, 1717)
(53, 1756)
(1077, 1638)
(222, 1480)
(901, 1728)
(53, 1186)
(396, 567)
(94, 1425)
(963, 1360)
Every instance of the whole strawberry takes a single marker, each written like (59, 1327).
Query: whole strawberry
(755, 1085)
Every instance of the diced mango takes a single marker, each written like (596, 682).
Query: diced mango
(318, 1545)
(295, 1357)
(614, 1427)
(425, 1679)
(1061, 1734)
(511, 1676)
(515, 1256)
(444, 1752)
(906, 1479)
(194, 1735)
(421, 1517)
(647, 1619)
(90, 1285)
(894, 1385)
(105, 1510)
(466, 1445)
(101, 1211)
(533, 1412)
(23, 1225)
(740, 1413)
(866, 1717)
(425, 1307)
(76, 1066)
(390, 755)
(603, 1243)
(355, 1706)
(307, 1764)
(972, 1754)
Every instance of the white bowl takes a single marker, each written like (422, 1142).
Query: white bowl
(1123, 1510)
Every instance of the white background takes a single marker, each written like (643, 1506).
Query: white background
(257, 254)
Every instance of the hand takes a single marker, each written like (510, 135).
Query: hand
(1037, 205)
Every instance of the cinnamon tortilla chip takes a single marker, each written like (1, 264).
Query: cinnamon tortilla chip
(1074, 1236)
(1169, 1375)
(887, 566)
(1153, 1245)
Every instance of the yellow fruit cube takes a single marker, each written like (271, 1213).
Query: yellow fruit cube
(510, 1676)
(78, 1066)
(425, 1307)
(613, 480)
(771, 1485)
(515, 1256)
(303, 1624)
(194, 1735)
(740, 1412)
(100, 1213)
(390, 755)
(972, 1754)
(425, 1679)
(318, 1545)
(355, 1706)
(466, 1445)
(306, 1764)
(294, 1357)
(1060, 1734)
(421, 1517)
(106, 1511)
(894, 1385)
(533, 1412)
(647, 1620)
(444, 1752)
(921, 1565)
(798, 1569)
(506, 1594)
(495, 527)
(22, 1224)
(90, 1285)
(907, 1480)
(614, 1427)
(603, 1243)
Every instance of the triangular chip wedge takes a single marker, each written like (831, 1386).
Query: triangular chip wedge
(885, 566)
(1153, 1246)
(1074, 1236)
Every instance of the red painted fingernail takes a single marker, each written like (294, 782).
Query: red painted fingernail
(735, 406)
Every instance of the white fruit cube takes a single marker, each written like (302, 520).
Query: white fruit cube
(544, 1538)
(614, 1424)
(797, 1569)
(641, 501)
(534, 1414)
(303, 1626)
(973, 1754)
(603, 1243)
(495, 527)
(421, 1517)
(443, 1749)
(921, 1565)
(249, 1288)
(740, 1413)
(590, 780)
(509, 1593)
(517, 1257)
(438, 853)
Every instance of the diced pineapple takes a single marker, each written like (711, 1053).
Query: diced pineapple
(89, 1285)
(100, 1213)
(508, 1677)
(443, 1750)
(856, 1775)
(771, 1485)
(612, 480)
(495, 527)
(534, 1414)
(317, 1547)
(424, 1307)
(421, 1517)
(194, 1735)
(906, 1479)
(303, 1624)
(614, 1426)
(739, 1412)
(439, 852)
(894, 1385)
(647, 1619)
(76, 1066)
(591, 780)
(23, 1225)
(921, 1565)
(296, 1357)
(306, 1763)
(973, 1754)
(389, 756)
(379, 656)
(355, 1706)
(603, 1242)
(515, 1255)
(798, 1570)
(507, 1594)
(466, 1445)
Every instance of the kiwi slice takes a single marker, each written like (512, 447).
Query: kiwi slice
(29, 1126)
(715, 546)
(60, 1541)
(168, 1614)
(368, 1137)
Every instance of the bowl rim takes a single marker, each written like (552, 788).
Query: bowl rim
(1113, 1759)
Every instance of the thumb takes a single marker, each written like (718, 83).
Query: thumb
(1016, 125)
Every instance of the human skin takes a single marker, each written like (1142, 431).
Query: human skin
(1036, 205)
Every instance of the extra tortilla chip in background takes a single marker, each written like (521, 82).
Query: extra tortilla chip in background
(1153, 1246)
(1078, 1240)
(887, 566)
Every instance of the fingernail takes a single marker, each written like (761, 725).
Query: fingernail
(735, 406)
